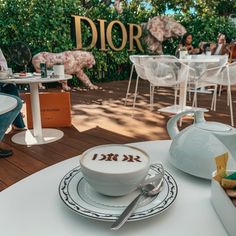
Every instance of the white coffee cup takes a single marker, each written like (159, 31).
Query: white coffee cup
(59, 70)
(114, 169)
(183, 54)
(10, 71)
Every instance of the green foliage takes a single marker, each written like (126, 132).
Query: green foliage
(46, 26)
(203, 28)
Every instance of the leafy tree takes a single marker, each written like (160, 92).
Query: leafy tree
(46, 25)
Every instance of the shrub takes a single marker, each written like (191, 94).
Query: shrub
(45, 26)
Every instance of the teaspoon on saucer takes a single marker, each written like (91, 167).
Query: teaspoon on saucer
(146, 190)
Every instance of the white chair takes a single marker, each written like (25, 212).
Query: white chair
(135, 59)
(139, 61)
(139, 68)
(167, 71)
(222, 75)
(198, 83)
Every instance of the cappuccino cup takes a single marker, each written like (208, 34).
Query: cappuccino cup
(114, 169)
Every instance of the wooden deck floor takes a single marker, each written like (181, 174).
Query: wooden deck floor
(99, 117)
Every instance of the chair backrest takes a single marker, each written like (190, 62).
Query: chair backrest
(212, 75)
(139, 68)
(232, 52)
(135, 59)
(201, 67)
(222, 61)
(229, 74)
(166, 71)
(139, 62)
(223, 75)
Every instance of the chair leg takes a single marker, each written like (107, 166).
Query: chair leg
(152, 88)
(130, 77)
(228, 98)
(189, 96)
(214, 97)
(175, 101)
(220, 89)
(135, 93)
(231, 107)
(180, 121)
(194, 104)
(189, 92)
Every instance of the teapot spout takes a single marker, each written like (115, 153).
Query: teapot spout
(229, 140)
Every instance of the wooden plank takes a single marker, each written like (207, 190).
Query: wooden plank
(10, 173)
(38, 152)
(2, 186)
(24, 161)
(86, 131)
(111, 136)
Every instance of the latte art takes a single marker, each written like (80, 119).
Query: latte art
(115, 159)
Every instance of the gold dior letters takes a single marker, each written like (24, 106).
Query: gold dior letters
(106, 34)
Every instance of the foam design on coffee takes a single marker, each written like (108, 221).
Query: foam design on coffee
(116, 159)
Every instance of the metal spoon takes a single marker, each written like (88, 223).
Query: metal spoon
(146, 190)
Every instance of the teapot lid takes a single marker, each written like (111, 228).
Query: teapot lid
(213, 126)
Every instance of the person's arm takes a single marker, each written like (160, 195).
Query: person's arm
(227, 49)
(3, 62)
(178, 49)
(190, 49)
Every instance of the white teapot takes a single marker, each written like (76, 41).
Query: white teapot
(194, 148)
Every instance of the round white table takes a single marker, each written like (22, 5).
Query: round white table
(37, 135)
(7, 103)
(183, 86)
(33, 206)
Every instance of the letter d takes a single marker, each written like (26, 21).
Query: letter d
(78, 20)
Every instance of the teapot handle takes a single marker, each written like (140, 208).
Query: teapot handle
(172, 126)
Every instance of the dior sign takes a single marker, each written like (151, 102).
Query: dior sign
(103, 33)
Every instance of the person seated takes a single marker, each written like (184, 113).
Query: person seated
(205, 47)
(186, 42)
(6, 120)
(18, 123)
(222, 47)
(232, 48)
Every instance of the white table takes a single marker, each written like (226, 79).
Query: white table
(183, 86)
(33, 206)
(37, 135)
(7, 103)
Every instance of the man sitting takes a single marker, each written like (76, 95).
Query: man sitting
(6, 120)
(12, 117)
(18, 123)
(222, 47)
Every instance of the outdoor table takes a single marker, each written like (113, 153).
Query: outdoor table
(37, 135)
(33, 205)
(7, 103)
(183, 86)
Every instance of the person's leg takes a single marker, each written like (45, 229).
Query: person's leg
(6, 120)
(13, 90)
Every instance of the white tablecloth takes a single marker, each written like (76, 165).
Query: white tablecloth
(32, 207)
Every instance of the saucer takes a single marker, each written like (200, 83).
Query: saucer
(19, 75)
(49, 73)
(37, 74)
(79, 196)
